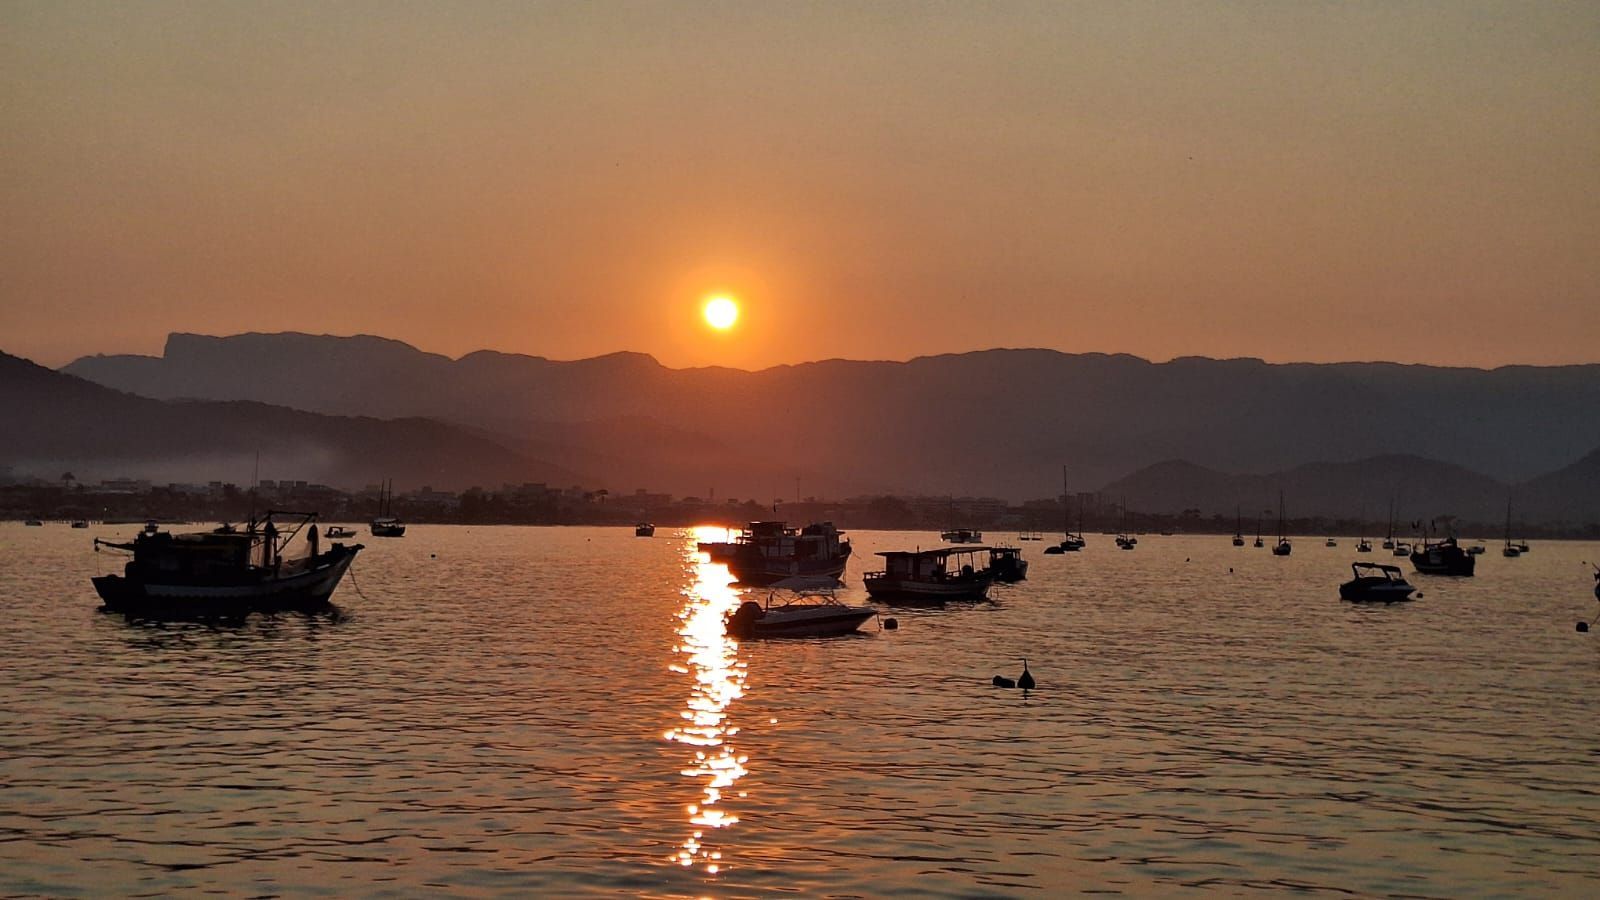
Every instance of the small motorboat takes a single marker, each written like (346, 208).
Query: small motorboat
(1330, 542)
(930, 575)
(34, 523)
(1375, 583)
(80, 523)
(1400, 548)
(1477, 550)
(339, 531)
(798, 607)
(644, 529)
(1007, 564)
(1364, 547)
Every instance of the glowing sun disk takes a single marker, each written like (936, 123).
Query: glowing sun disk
(721, 313)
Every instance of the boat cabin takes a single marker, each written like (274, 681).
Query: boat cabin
(932, 565)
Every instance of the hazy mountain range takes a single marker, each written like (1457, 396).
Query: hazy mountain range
(1335, 437)
(55, 422)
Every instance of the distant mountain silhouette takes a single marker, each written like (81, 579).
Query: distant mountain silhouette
(988, 422)
(53, 421)
(1570, 494)
(1420, 488)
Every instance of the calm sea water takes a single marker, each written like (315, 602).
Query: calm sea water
(556, 711)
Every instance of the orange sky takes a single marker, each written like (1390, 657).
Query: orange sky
(1296, 181)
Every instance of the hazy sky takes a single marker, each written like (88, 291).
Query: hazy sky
(1291, 180)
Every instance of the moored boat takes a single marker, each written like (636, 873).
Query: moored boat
(798, 607)
(386, 524)
(1374, 582)
(644, 529)
(1442, 558)
(34, 523)
(929, 575)
(961, 536)
(767, 552)
(225, 571)
(1007, 564)
(1282, 547)
(80, 523)
(339, 531)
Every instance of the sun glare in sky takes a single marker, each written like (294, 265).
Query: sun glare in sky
(721, 312)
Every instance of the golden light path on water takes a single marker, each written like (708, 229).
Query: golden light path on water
(711, 658)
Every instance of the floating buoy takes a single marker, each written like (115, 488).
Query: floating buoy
(1583, 626)
(1002, 681)
(1025, 680)
(891, 623)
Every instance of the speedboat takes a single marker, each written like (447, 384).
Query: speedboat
(1443, 558)
(930, 575)
(1007, 564)
(798, 607)
(225, 571)
(339, 531)
(644, 529)
(1364, 547)
(1374, 582)
(768, 552)
(1330, 542)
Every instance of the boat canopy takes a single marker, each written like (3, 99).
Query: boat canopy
(1392, 573)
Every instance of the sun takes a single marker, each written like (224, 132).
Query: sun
(721, 312)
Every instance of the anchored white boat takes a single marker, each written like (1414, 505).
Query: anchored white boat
(798, 607)
(768, 552)
(931, 575)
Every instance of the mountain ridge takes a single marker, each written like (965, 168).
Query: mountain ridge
(997, 421)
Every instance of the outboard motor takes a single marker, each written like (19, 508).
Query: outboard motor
(742, 623)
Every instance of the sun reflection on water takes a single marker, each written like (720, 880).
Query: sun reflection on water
(711, 658)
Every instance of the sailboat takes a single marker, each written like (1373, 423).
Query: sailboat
(385, 524)
(1365, 546)
(1282, 548)
(1070, 543)
(1238, 535)
(1510, 549)
(1258, 543)
(1388, 542)
(1125, 541)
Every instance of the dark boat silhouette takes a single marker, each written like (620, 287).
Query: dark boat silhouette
(226, 571)
(767, 552)
(385, 524)
(929, 576)
(1442, 558)
(1007, 564)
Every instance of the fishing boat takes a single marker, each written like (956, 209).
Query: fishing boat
(1007, 564)
(338, 531)
(644, 529)
(34, 523)
(1330, 542)
(961, 536)
(1282, 548)
(226, 571)
(1443, 557)
(80, 523)
(798, 607)
(1374, 582)
(949, 573)
(768, 552)
(385, 524)
(1238, 528)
